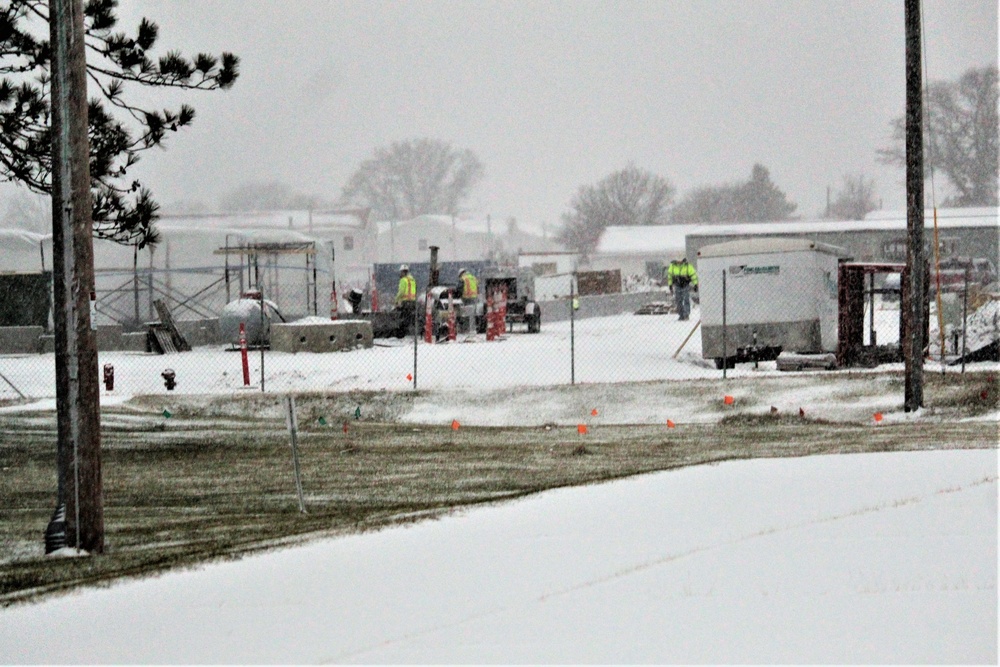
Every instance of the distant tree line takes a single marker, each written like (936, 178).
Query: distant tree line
(426, 176)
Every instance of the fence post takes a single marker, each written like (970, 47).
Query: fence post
(965, 318)
(261, 292)
(416, 322)
(572, 330)
(293, 427)
(725, 348)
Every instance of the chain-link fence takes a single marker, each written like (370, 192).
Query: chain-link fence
(748, 315)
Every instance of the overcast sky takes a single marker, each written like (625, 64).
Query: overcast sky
(553, 95)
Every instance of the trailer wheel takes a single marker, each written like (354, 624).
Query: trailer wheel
(535, 324)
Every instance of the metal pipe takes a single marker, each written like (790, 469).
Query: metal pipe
(965, 316)
(725, 349)
(572, 330)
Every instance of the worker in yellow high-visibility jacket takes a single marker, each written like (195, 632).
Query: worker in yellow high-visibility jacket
(406, 297)
(681, 279)
(469, 288)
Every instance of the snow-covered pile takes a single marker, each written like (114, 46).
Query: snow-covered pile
(982, 328)
(639, 283)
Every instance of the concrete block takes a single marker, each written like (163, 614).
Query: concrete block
(321, 336)
(135, 342)
(21, 340)
(200, 332)
(109, 337)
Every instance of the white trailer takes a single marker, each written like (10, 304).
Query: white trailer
(780, 295)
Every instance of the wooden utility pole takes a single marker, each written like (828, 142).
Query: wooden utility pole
(913, 317)
(77, 383)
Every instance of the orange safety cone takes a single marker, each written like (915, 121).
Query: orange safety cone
(670, 424)
(454, 424)
(728, 400)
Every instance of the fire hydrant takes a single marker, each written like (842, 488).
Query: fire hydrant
(168, 379)
(109, 377)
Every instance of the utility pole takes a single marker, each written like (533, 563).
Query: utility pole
(913, 330)
(78, 416)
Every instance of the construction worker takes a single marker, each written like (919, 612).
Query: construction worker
(406, 296)
(469, 287)
(681, 279)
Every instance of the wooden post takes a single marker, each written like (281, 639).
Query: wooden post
(78, 416)
(913, 344)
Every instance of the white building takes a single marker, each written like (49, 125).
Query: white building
(409, 241)
(640, 250)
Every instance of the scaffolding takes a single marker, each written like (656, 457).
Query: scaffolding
(260, 261)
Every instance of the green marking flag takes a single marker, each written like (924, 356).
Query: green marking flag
(167, 413)
(357, 413)
(322, 421)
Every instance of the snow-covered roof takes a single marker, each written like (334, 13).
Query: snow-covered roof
(299, 219)
(644, 239)
(444, 221)
(887, 221)
(653, 239)
(767, 245)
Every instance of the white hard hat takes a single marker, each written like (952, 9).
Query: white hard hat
(461, 271)
(404, 267)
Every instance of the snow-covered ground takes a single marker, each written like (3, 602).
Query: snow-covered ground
(873, 558)
(624, 348)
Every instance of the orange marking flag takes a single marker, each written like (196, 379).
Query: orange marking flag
(728, 400)
(878, 416)
(581, 429)
(670, 424)
(454, 424)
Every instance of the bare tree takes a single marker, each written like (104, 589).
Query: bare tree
(414, 177)
(855, 199)
(755, 200)
(630, 196)
(960, 136)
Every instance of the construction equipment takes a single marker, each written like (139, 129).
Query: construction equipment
(516, 308)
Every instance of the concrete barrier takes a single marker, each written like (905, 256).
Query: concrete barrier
(601, 305)
(200, 332)
(321, 336)
(21, 340)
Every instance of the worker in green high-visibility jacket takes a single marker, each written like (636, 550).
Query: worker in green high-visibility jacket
(406, 297)
(681, 278)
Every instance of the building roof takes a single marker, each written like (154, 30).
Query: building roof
(765, 245)
(298, 219)
(666, 239)
(644, 240)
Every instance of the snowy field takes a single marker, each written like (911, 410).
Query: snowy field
(873, 558)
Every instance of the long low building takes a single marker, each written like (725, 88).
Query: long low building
(880, 237)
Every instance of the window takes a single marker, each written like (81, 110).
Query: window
(422, 244)
(543, 268)
(348, 243)
(894, 250)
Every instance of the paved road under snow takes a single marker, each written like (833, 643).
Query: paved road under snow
(846, 559)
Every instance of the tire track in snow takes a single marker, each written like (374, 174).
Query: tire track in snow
(657, 562)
